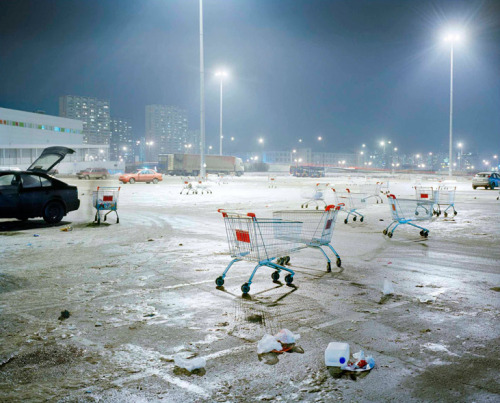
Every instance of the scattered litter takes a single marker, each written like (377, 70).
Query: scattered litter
(36, 235)
(67, 229)
(285, 336)
(425, 330)
(497, 289)
(388, 288)
(267, 344)
(180, 244)
(64, 315)
(427, 300)
(98, 324)
(148, 315)
(150, 240)
(337, 354)
(190, 365)
(361, 364)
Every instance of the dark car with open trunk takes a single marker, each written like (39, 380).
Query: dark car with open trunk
(35, 193)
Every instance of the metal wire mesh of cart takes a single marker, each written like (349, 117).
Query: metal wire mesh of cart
(445, 196)
(410, 210)
(105, 199)
(260, 239)
(317, 226)
(372, 190)
(352, 201)
(315, 195)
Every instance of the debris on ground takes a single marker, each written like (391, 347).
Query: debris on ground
(388, 288)
(285, 336)
(67, 229)
(192, 364)
(267, 344)
(360, 363)
(64, 315)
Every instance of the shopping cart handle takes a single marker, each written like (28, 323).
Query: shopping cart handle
(251, 215)
(391, 196)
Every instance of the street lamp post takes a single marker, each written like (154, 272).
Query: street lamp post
(221, 75)
(452, 38)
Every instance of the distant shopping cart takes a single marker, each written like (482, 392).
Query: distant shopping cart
(352, 202)
(445, 197)
(203, 187)
(373, 191)
(406, 211)
(260, 240)
(271, 182)
(315, 196)
(316, 231)
(105, 199)
(187, 187)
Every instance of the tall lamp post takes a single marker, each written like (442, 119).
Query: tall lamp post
(451, 38)
(221, 74)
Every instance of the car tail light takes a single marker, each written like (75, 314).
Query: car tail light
(489, 176)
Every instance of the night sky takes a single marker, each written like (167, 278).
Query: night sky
(351, 71)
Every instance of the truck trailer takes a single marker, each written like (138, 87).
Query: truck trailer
(189, 164)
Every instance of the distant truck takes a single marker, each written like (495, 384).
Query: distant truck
(189, 164)
(303, 171)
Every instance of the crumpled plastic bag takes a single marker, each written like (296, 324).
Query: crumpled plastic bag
(267, 344)
(388, 288)
(192, 364)
(285, 336)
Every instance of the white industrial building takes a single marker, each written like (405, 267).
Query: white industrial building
(24, 135)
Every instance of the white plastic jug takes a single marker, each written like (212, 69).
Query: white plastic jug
(337, 354)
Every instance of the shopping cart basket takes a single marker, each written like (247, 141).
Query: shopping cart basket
(260, 240)
(405, 211)
(187, 186)
(105, 199)
(315, 196)
(373, 191)
(202, 187)
(352, 201)
(317, 228)
(445, 196)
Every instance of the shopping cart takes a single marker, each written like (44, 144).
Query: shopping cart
(271, 182)
(352, 201)
(315, 196)
(405, 211)
(203, 187)
(373, 191)
(317, 228)
(187, 187)
(105, 199)
(445, 196)
(260, 240)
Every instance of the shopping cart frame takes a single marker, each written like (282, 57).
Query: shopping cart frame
(106, 204)
(445, 196)
(319, 190)
(426, 206)
(350, 209)
(252, 236)
(317, 229)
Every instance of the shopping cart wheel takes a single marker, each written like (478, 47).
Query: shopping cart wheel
(317, 207)
(275, 275)
(289, 279)
(328, 267)
(384, 232)
(426, 233)
(354, 218)
(219, 281)
(361, 219)
(345, 221)
(456, 212)
(286, 260)
(339, 262)
(245, 288)
(421, 232)
(389, 234)
(279, 261)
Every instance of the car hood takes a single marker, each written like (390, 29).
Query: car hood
(49, 158)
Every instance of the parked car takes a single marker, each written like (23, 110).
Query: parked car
(142, 175)
(487, 179)
(34, 193)
(93, 173)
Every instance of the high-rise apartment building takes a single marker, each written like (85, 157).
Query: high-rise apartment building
(93, 112)
(166, 130)
(122, 140)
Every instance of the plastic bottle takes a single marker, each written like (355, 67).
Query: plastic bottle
(337, 354)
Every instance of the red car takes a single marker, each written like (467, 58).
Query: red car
(142, 175)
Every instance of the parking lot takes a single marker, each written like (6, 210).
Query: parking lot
(143, 291)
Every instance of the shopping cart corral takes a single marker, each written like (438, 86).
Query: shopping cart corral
(316, 230)
(352, 201)
(405, 211)
(105, 199)
(260, 240)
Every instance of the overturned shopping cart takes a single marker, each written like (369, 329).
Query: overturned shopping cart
(317, 229)
(315, 196)
(105, 199)
(405, 211)
(445, 197)
(352, 201)
(260, 240)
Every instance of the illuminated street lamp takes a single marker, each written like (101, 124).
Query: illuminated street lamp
(221, 74)
(452, 38)
(260, 140)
